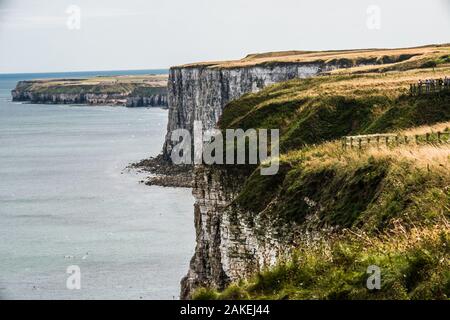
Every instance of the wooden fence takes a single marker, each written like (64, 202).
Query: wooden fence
(424, 88)
(390, 140)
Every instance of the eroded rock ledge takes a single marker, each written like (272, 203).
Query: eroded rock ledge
(165, 174)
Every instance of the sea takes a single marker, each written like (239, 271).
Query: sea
(74, 223)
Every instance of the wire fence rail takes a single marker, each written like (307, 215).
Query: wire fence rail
(424, 88)
(391, 140)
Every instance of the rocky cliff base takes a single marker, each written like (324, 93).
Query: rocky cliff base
(165, 174)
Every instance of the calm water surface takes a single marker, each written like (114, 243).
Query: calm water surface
(65, 200)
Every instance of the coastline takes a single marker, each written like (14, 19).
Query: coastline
(127, 90)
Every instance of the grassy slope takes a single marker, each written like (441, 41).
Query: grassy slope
(390, 206)
(403, 58)
(324, 108)
(414, 266)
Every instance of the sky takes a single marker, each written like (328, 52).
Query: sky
(82, 35)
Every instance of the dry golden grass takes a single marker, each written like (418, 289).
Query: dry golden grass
(325, 56)
(439, 127)
(331, 154)
(150, 80)
(423, 156)
(405, 239)
(390, 84)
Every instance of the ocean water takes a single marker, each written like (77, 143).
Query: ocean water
(65, 200)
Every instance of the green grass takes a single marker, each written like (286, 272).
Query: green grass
(355, 192)
(396, 200)
(416, 266)
(304, 119)
(307, 120)
(137, 85)
(409, 112)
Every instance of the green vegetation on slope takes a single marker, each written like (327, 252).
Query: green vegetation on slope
(348, 189)
(316, 110)
(394, 206)
(386, 206)
(414, 266)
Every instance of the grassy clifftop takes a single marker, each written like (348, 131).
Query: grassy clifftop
(327, 107)
(145, 84)
(390, 59)
(385, 206)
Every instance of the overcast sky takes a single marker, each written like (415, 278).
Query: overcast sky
(46, 35)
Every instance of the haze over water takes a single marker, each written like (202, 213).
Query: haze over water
(65, 201)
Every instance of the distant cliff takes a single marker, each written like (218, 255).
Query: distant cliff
(130, 91)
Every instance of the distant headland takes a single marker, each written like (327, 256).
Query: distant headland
(125, 90)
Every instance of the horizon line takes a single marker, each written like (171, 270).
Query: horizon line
(81, 71)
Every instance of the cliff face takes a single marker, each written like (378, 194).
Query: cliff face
(68, 98)
(200, 93)
(229, 245)
(233, 242)
(156, 100)
(127, 99)
(130, 91)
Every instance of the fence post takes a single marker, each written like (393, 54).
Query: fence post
(387, 140)
(351, 143)
(427, 137)
(417, 139)
(359, 143)
(439, 136)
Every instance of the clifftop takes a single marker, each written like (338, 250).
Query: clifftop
(143, 90)
(349, 58)
(117, 84)
(200, 91)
